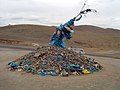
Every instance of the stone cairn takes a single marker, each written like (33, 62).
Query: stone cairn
(54, 61)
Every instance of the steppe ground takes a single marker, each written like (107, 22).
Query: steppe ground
(107, 79)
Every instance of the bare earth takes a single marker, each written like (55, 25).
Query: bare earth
(107, 79)
(85, 36)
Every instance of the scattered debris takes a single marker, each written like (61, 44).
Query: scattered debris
(54, 61)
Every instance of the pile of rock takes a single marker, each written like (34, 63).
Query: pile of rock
(54, 61)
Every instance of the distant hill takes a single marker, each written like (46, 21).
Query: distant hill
(84, 36)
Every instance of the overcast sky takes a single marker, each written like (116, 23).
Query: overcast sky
(54, 12)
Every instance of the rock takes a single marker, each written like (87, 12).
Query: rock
(51, 60)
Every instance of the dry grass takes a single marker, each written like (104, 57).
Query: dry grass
(85, 36)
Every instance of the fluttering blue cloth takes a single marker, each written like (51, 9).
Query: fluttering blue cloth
(58, 39)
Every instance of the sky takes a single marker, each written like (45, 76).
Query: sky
(55, 12)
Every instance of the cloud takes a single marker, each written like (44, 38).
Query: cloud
(54, 12)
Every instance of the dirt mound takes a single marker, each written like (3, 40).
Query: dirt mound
(50, 60)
